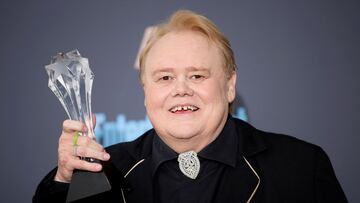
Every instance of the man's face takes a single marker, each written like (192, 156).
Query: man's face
(186, 90)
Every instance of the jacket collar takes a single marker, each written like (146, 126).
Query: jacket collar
(251, 140)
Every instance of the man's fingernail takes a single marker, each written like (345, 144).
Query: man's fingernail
(106, 156)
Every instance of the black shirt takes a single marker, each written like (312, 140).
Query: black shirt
(171, 184)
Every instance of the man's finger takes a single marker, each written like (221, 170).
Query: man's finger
(72, 126)
(88, 142)
(87, 166)
(89, 152)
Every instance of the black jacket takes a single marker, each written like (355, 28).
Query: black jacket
(270, 168)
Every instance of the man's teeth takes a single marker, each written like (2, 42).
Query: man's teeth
(183, 108)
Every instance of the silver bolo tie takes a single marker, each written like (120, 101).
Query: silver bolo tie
(189, 164)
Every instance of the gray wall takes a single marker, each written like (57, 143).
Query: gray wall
(298, 73)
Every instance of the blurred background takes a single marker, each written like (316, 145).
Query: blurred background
(298, 75)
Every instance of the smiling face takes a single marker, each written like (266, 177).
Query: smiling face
(187, 92)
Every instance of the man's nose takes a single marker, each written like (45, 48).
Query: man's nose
(182, 88)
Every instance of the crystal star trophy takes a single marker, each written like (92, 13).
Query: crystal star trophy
(71, 79)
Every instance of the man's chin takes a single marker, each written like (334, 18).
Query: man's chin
(183, 134)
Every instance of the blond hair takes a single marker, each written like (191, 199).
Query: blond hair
(184, 20)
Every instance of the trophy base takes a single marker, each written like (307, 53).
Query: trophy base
(84, 184)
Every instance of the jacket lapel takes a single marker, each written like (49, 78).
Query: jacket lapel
(135, 168)
(241, 184)
(140, 179)
(238, 184)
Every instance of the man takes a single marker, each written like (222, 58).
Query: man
(196, 152)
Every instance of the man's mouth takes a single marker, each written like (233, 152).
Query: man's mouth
(184, 108)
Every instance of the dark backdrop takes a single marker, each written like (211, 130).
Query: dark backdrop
(298, 73)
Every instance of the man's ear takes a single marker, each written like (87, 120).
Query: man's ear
(231, 87)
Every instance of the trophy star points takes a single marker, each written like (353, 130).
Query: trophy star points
(70, 79)
(55, 70)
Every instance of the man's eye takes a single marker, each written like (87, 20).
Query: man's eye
(197, 77)
(165, 77)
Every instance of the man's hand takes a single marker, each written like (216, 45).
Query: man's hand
(86, 147)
